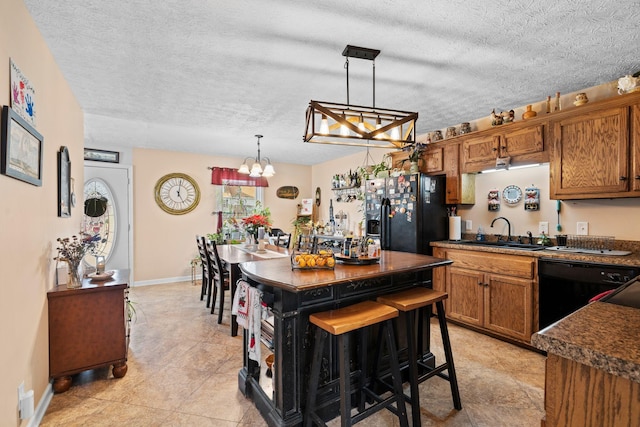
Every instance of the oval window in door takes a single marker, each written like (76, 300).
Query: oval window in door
(99, 218)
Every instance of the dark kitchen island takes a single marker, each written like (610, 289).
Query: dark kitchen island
(292, 296)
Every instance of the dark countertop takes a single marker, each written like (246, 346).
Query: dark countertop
(600, 335)
(632, 259)
(278, 272)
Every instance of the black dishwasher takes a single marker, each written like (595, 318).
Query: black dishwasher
(565, 286)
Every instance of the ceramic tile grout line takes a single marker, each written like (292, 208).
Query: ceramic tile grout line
(558, 227)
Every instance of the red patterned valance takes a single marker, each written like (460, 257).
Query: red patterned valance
(230, 176)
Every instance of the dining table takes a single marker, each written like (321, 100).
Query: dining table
(232, 255)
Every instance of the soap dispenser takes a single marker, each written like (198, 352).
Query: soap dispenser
(480, 234)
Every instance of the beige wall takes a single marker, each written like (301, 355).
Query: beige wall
(322, 177)
(155, 230)
(606, 217)
(28, 214)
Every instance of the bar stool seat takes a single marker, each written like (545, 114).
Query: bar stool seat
(340, 323)
(407, 302)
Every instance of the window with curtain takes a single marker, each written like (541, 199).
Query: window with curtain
(236, 198)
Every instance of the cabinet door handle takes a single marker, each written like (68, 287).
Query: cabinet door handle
(637, 176)
(623, 178)
(494, 149)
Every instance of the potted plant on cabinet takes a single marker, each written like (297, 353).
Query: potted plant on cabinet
(415, 155)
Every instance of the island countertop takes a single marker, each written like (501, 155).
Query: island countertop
(600, 335)
(278, 272)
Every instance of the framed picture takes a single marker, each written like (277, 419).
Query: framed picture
(101, 155)
(22, 149)
(64, 183)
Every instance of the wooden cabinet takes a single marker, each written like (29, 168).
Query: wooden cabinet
(461, 187)
(433, 160)
(524, 144)
(578, 395)
(87, 329)
(635, 148)
(596, 154)
(443, 158)
(590, 154)
(494, 292)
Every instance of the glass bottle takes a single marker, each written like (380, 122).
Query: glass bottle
(332, 220)
(548, 104)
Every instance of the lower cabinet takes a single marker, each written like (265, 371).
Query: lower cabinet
(87, 330)
(490, 291)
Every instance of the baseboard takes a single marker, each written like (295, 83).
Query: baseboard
(164, 281)
(41, 409)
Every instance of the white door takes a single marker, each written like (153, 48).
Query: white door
(117, 178)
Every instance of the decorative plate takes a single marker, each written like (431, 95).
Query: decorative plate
(102, 276)
(512, 194)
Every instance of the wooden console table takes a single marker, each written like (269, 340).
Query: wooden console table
(295, 294)
(87, 329)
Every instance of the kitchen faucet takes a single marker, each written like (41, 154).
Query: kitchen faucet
(508, 226)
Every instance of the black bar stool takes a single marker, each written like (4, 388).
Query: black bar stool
(422, 299)
(340, 322)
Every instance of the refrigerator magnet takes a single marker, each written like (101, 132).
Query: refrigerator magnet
(410, 206)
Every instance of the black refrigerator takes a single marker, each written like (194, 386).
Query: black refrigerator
(407, 212)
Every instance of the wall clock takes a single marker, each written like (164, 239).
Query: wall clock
(177, 193)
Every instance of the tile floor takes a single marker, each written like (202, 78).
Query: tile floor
(183, 372)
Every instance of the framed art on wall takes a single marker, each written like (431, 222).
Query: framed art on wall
(101, 155)
(22, 149)
(64, 183)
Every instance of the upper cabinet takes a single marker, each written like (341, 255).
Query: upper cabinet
(597, 154)
(523, 143)
(443, 158)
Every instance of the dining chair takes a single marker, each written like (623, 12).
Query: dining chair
(283, 240)
(204, 261)
(219, 279)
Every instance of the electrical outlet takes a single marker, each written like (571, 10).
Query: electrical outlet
(543, 227)
(582, 228)
(468, 224)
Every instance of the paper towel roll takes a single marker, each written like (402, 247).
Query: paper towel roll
(455, 226)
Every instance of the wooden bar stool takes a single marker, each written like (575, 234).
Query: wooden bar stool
(341, 322)
(407, 302)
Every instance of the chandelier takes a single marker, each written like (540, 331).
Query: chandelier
(345, 124)
(257, 169)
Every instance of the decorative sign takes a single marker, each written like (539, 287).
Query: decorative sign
(287, 192)
(307, 207)
(23, 95)
(494, 200)
(531, 199)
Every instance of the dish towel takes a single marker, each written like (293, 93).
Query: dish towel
(247, 306)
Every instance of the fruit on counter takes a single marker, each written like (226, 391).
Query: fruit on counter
(322, 259)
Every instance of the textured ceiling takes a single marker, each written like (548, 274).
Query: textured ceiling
(205, 76)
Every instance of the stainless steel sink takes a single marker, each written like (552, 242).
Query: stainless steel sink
(506, 245)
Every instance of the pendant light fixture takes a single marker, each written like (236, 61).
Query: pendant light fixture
(257, 169)
(340, 124)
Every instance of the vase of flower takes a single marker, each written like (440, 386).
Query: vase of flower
(75, 275)
(72, 251)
